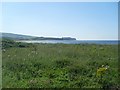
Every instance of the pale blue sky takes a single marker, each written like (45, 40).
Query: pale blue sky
(88, 20)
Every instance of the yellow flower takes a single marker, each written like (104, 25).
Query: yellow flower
(101, 71)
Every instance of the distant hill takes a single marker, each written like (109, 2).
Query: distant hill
(16, 36)
(51, 38)
(27, 37)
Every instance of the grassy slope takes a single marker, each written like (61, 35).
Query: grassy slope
(60, 65)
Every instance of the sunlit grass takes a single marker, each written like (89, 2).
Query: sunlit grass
(59, 65)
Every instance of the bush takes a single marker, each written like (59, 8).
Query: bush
(7, 43)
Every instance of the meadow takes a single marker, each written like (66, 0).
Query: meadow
(60, 66)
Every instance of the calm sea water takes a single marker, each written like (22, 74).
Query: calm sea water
(74, 41)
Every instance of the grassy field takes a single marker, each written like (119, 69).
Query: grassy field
(60, 66)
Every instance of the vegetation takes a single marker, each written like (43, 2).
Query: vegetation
(59, 66)
(7, 43)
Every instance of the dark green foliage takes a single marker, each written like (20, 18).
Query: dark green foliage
(62, 63)
(7, 43)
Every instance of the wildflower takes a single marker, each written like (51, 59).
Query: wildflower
(8, 55)
(28, 54)
(4, 50)
(102, 70)
(33, 52)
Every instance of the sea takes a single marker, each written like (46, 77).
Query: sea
(73, 41)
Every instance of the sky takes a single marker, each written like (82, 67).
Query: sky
(80, 20)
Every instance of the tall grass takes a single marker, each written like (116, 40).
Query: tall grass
(60, 66)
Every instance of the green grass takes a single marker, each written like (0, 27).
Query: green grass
(60, 66)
